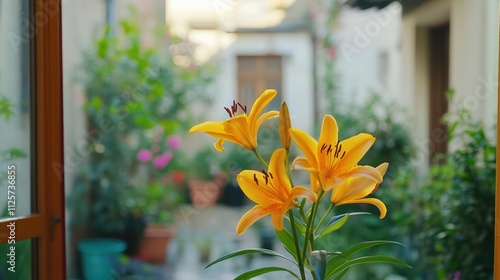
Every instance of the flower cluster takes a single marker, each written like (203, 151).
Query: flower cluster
(334, 171)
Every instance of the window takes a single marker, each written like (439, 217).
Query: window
(256, 74)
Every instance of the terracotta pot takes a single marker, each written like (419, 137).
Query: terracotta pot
(155, 242)
(204, 193)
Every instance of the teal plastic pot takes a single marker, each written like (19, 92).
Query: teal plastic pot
(98, 256)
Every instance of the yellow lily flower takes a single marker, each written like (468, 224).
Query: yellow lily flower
(355, 190)
(239, 129)
(271, 191)
(331, 162)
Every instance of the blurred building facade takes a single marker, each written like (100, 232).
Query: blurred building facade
(411, 53)
(448, 45)
(254, 45)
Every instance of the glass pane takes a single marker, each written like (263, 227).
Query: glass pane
(15, 259)
(15, 112)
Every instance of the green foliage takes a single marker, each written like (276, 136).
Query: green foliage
(457, 207)
(256, 272)
(130, 90)
(6, 108)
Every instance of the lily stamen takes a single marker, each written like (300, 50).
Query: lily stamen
(323, 147)
(234, 109)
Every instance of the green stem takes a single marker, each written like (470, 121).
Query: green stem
(324, 217)
(297, 248)
(256, 153)
(309, 236)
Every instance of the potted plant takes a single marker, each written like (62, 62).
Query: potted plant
(205, 182)
(158, 192)
(158, 202)
(130, 90)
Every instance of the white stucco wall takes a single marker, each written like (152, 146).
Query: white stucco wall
(473, 63)
(369, 53)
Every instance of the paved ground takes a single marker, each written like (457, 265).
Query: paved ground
(207, 228)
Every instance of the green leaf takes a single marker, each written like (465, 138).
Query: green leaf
(340, 275)
(335, 225)
(247, 252)
(286, 239)
(338, 217)
(301, 226)
(5, 108)
(259, 271)
(344, 257)
(96, 103)
(366, 260)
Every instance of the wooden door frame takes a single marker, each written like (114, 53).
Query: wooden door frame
(49, 124)
(45, 227)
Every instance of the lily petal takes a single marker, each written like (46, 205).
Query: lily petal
(266, 116)
(265, 98)
(364, 171)
(301, 163)
(299, 191)
(277, 218)
(315, 187)
(258, 193)
(218, 145)
(306, 144)
(238, 128)
(374, 201)
(329, 134)
(278, 174)
(359, 187)
(214, 129)
(250, 217)
(355, 147)
(382, 168)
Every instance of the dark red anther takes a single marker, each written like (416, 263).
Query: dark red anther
(243, 108)
(255, 179)
(323, 147)
(228, 111)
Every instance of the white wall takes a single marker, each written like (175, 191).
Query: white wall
(473, 63)
(369, 53)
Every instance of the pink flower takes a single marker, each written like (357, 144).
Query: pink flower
(144, 155)
(174, 142)
(162, 160)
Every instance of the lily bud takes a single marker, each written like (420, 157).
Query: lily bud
(318, 261)
(284, 126)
